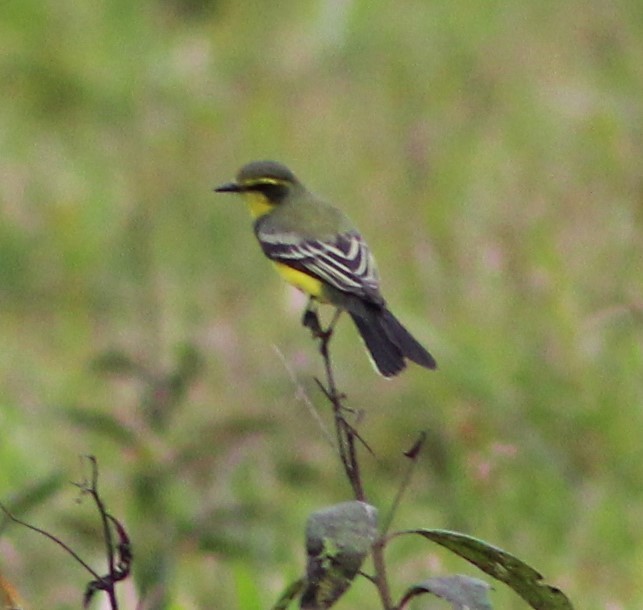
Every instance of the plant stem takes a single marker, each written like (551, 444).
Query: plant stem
(346, 437)
(381, 580)
(345, 433)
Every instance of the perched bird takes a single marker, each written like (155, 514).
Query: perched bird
(315, 247)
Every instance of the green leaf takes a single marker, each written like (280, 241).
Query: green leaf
(115, 362)
(463, 592)
(503, 566)
(338, 539)
(101, 423)
(247, 587)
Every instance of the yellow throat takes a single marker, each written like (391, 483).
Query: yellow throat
(258, 203)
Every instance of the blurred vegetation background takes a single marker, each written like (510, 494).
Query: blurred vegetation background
(491, 153)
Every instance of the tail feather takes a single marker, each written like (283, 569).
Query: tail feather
(405, 341)
(385, 354)
(388, 342)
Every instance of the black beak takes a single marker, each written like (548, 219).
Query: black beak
(228, 187)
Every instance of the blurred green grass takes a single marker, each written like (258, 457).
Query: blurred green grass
(490, 152)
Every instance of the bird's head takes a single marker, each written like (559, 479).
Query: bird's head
(264, 185)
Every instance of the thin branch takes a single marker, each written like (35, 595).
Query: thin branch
(344, 431)
(117, 570)
(412, 454)
(107, 530)
(55, 539)
(303, 396)
(101, 583)
(380, 578)
(346, 444)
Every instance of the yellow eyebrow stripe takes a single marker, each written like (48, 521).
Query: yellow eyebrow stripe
(263, 180)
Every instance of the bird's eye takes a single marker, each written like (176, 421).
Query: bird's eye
(273, 192)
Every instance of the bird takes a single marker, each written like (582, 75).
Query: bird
(316, 248)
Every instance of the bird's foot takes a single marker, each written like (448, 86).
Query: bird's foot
(310, 320)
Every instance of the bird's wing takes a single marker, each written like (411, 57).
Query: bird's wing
(345, 261)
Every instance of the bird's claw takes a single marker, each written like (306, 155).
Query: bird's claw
(310, 320)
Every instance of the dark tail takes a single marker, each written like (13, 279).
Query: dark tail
(389, 343)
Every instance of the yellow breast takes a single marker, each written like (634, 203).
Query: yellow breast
(300, 280)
